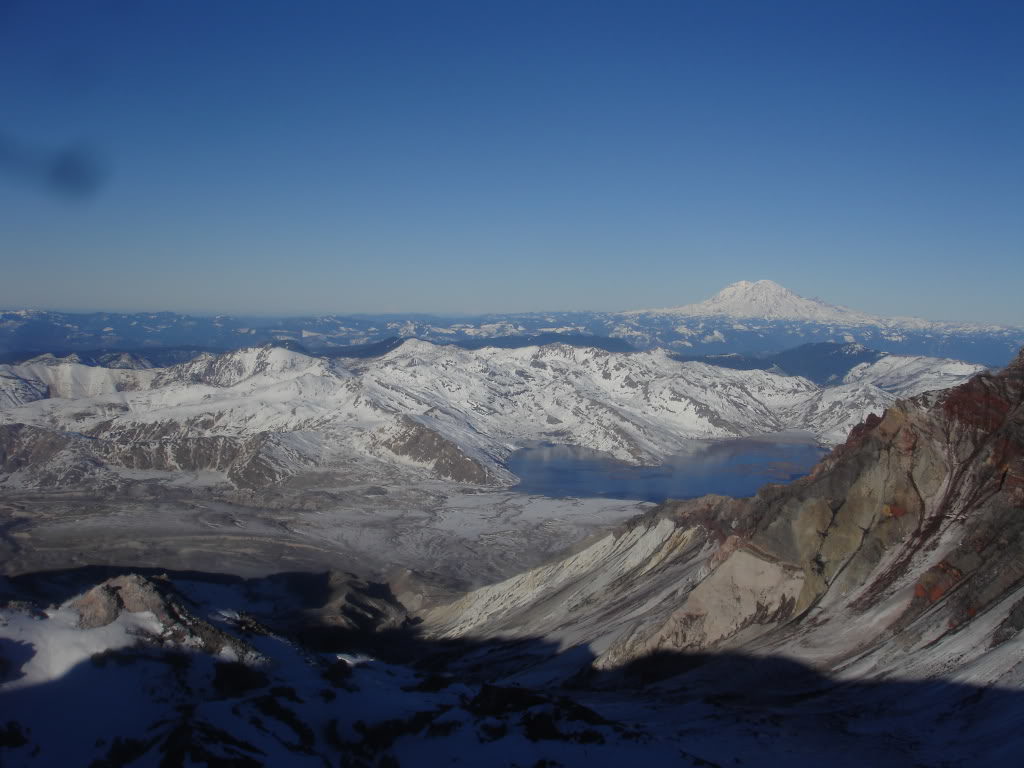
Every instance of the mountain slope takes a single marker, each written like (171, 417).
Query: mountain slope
(909, 375)
(869, 614)
(47, 376)
(899, 554)
(825, 363)
(443, 410)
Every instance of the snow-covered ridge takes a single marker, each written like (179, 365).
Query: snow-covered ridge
(255, 365)
(447, 410)
(47, 376)
(909, 375)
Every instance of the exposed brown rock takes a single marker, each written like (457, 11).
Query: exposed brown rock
(132, 593)
(420, 443)
(920, 511)
(98, 607)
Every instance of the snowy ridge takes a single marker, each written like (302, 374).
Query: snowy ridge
(65, 378)
(909, 375)
(442, 409)
(256, 366)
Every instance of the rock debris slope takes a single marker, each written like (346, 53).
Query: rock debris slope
(901, 554)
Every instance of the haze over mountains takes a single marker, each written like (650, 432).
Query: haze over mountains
(745, 317)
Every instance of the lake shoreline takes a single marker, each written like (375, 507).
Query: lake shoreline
(731, 467)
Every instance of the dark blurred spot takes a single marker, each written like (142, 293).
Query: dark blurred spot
(75, 172)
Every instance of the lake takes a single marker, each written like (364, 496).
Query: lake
(730, 467)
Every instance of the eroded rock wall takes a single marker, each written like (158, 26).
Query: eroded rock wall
(911, 532)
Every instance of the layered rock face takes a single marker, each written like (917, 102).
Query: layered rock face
(903, 552)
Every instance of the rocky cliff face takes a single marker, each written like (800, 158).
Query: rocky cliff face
(910, 536)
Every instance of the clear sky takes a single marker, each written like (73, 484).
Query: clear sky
(446, 157)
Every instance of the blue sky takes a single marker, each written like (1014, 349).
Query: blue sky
(513, 156)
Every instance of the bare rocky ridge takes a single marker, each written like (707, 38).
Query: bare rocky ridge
(179, 627)
(421, 444)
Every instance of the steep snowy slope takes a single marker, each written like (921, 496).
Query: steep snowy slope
(906, 375)
(638, 407)
(871, 388)
(47, 376)
(834, 411)
(257, 366)
(16, 390)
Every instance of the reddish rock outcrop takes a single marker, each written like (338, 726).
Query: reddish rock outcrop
(909, 532)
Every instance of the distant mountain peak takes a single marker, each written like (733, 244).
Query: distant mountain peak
(767, 300)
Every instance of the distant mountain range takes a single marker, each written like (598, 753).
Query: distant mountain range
(747, 318)
(254, 417)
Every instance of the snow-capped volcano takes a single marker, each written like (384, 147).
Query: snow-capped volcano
(767, 300)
